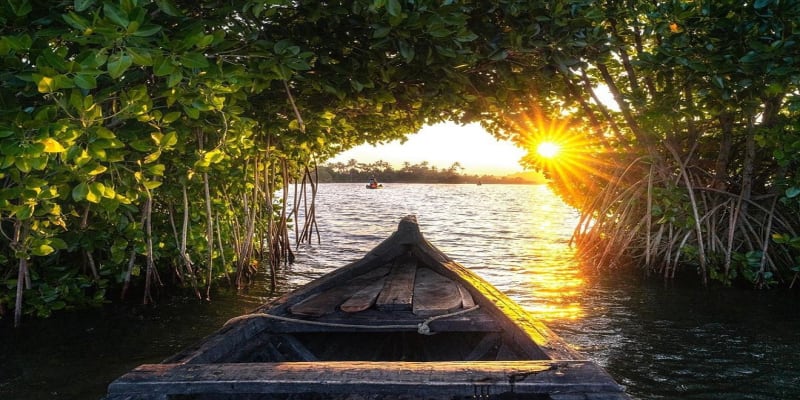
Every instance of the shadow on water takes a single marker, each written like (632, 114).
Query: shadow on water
(680, 341)
(74, 355)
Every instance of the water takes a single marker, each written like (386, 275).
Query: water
(660, 341)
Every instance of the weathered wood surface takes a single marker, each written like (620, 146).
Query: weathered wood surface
(434, 294)
(428, 379)
(328, 301)
(466, 298)
(398, 291)
(364, 298)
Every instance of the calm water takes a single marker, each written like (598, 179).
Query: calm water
(660, 341)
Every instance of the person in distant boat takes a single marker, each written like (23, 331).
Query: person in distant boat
(373, 183)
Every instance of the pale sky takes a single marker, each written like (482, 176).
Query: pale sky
(442, 145)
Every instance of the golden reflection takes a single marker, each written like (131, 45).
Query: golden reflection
(559, 295)
(553, 275)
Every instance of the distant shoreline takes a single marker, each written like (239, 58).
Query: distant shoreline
(355, 172)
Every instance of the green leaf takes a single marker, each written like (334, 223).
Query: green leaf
(191, 112)
(118, 63)
(76, 21)
(281, 46)
(143, 145)
(298, 64)
(170, 139)
(24, 211)
(406, 51)
(156, 169)
(393, 7)
(169, 118)
(152, 184)
(95, 193)
(80, 191)
(147, 30)
(214, 156)
(52, 146)
(85, 81)
(97, 170)
(44, 84)
(104, 133)
(152, 157)
(163, 66)
(116, 15)
(42, 250)
(174, 78)
(792, 192)
(169, 8)
(141, 56)
(20, 7)
(381, 32)
(82, 5)
(194, 60)
(23, 164)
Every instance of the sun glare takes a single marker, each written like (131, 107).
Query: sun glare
(558, 146)
(548, 149)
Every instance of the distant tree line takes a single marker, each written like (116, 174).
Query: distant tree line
(424, 172)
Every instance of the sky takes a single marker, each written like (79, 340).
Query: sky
(441, 145)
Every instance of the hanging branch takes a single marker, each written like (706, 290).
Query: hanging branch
(131, 260)
(21, 230)
(272, 258)
(87, 254)
(286, 251)
(310, 220)
(296, 111)
(209, 222)
(187, 262)
(151, 274)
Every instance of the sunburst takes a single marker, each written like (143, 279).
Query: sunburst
(548, 149)
(561, 150)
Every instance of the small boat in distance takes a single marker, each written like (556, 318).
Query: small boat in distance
(403, 322)
(373, 183)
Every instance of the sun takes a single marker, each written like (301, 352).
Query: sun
(548, 149)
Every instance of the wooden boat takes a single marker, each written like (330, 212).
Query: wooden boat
(405, 321)
(379, 186)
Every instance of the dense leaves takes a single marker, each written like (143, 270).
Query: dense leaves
(691, 161)
(141, 142)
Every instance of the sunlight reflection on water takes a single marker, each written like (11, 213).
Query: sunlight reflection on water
(514, 236)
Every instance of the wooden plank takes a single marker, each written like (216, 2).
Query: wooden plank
(434, 294)
(398, 291)
(364, 298)
(328, 301)
(297, 348)
(466, 298)
(483, 347)
(409, 378)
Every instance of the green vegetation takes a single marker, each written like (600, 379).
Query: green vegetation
(423, 172)
(697, 164)
(142, 141)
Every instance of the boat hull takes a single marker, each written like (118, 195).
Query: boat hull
(403, 320)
